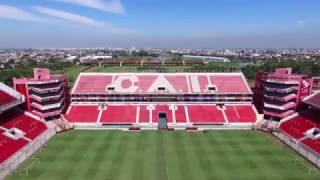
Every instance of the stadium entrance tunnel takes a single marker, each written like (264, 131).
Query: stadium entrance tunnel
(162, 120)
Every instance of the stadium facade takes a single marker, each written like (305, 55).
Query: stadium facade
(156, 101)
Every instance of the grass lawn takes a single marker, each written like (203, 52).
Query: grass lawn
(113, 155)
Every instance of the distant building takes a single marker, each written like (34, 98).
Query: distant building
(279, 94)
(46, 95)
(207, 59)
(86, 58)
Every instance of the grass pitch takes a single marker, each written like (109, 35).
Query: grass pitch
(114, 155)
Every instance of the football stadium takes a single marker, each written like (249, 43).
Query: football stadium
(164, 126)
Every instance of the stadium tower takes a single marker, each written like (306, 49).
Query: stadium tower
(47, 95)
(279, 94)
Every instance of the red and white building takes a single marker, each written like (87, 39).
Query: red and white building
(46, 95)
(124, 100)
(280, 94)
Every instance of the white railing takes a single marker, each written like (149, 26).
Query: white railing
(280, 107)
(306, 152)
(286, 90)
(49, 106)
(47, 89)
(11, 91)
(38, 98)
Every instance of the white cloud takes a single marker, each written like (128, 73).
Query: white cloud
(67, 16)
(105, 26)
(114, 6)
(10, 12)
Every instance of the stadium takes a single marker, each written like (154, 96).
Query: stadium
(160, 126)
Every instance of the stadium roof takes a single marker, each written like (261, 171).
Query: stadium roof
(161, 83)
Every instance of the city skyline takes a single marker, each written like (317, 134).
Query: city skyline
(159, 24)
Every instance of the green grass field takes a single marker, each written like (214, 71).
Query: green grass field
(113, 155)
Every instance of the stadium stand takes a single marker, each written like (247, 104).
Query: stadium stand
(298, 125)
(150, 99)
(303, 129)
(18, 129)
(8, 146)
(83, 113)
(144, 114)
(16, 119)
(313, 144)
(175, 114)
(115, 114)
(179, 83)
(205, 114)
(240, 113)
(180, 115)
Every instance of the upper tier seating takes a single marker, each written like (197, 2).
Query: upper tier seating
(83, 113)
(19, 120)
(226, 84)
(181, 83)
(93, 84)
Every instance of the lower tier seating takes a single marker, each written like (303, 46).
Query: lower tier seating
(19, 120)
(83, 113)
(9, 147)
(30, 128)
(312, 144)
(298, 125)
(240, 113)
(205, 114)
(147, 113)
(119, 114)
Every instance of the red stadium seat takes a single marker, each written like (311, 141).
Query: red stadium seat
(205, 114)
(118, 114)
(297, 126)
(83, 114)
(27, 124)
(313, 144)
(9, 147)
(181, 114)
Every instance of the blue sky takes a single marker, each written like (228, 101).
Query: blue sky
(160, 23)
